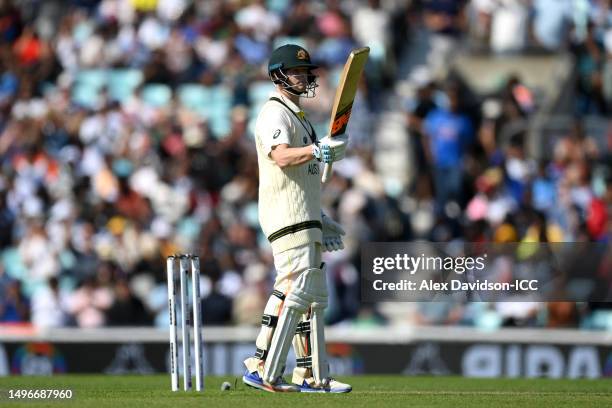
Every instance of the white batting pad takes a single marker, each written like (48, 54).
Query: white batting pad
(283, 336)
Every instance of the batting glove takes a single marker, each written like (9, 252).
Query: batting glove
(329, 150)
(332, 234)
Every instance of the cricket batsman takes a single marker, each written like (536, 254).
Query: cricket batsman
(289, 157)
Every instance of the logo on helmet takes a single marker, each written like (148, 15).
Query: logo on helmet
(302, 54)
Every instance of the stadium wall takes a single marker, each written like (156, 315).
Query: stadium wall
(398, 350)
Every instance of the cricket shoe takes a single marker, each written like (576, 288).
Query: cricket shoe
(330, 385)
(280, 385)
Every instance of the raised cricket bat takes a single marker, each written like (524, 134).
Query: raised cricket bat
(345, 95)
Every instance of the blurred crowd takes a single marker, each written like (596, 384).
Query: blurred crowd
(125, 137)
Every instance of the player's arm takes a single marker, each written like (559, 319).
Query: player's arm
(326, 150)
(285, 156)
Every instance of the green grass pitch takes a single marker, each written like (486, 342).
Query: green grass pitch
(98, 391)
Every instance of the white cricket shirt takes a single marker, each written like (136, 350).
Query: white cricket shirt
(289, 198)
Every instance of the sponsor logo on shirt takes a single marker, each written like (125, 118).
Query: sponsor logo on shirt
(313, 169)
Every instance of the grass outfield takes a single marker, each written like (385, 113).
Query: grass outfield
(99, 391)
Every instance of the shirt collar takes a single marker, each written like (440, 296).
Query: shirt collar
(289, 103)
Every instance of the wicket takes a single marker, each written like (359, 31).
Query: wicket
(186, 264)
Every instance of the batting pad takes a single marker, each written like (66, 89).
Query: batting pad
(281, 340)
(269, 321)
(320, 366)
(301, 345)
(309, 289)
(310, 342)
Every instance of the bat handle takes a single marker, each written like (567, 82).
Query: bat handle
(326, 172)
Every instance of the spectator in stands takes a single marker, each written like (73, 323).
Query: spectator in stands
(89, 303)
(127, 309)
(216, 307)
(509, 26)
(551, 23)
(449, 133)
(35, 251)
(445, 20)
(371, 26)
(253, 295)
(590, 57)
(14, 306)
(493, 202)
(12, 22)
(562, 314)
(7, 220)
(49, 306)
(607, 69)
(87, 260)
(422, 106)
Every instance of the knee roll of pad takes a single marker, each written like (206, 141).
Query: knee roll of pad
(310, 289)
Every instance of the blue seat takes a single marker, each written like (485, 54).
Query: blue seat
(156, 95)
(194, 96)
(220, 111)
(601, 320)
(221, 94)
(220, 123)
(123, 82)
(96, 78)
(87, 87)
(260, 91)
(85, 95)
(278, 6)
(212, 103)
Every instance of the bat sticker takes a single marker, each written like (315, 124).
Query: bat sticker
(341, 121)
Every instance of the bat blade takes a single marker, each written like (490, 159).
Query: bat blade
(345, 95)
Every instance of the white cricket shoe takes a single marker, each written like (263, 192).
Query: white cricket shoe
(331, 385)
(280, 385)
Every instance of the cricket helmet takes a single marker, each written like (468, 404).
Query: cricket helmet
(287, 57)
